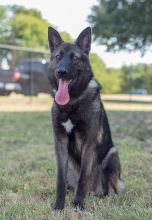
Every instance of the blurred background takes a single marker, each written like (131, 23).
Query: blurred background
(121, 48)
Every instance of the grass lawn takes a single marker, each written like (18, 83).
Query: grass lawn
(27, 169)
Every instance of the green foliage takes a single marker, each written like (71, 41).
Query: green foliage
(135, 77)
(30, 31)
(148, 79)
(18, 9)
(113, 81)
(3, 24)
(110, 79)
(123, 80)
(24, 27)
(122, 24)
(98, 66)
(66, 37)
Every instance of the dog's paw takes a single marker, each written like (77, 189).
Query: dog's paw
(77, 205)
(58, 206)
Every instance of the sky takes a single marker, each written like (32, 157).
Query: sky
(71, 16)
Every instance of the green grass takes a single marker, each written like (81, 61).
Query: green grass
(27, 169)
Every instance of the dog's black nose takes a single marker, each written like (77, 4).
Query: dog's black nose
(62, 72)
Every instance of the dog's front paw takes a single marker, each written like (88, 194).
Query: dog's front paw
(77, 205)
(58, 206)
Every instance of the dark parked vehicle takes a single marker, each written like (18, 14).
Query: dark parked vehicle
(32, 75)
(7, 85)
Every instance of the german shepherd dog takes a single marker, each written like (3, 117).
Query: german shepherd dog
(87, 160)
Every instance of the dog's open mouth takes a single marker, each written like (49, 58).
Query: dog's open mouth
(62, 96)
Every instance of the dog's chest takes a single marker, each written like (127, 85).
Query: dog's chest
(68, 125)
(71, 121)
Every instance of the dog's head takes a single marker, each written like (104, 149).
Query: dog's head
(70, 71)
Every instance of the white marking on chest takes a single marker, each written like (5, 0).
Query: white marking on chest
(68, 126)
(92, 84)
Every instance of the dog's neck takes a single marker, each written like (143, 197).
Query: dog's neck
(88, 94)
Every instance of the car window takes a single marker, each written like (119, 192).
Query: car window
(33, 66)
(24, 66)
(37, 67)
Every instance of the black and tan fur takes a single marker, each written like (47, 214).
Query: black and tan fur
(87, 160)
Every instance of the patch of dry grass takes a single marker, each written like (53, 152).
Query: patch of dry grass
(20, 103)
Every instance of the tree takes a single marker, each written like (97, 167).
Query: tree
(23, 27)
(137, 77)
(148, 79)
(122, 24)
(3, 31)
(26, 28)
(113, 81)
(3, 22)
(110, 79)
(133, 77)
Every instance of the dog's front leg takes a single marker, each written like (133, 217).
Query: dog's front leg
(61, 148)
(86, 166)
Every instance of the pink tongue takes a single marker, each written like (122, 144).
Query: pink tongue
(62, 96)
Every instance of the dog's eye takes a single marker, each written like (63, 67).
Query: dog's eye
(58, 56)
(75, 57)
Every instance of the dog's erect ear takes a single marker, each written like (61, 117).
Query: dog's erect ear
(54, 38)
(84, 40)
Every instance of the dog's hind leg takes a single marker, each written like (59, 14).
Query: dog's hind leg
(111, 173)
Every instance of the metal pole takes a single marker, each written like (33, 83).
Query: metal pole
(30, 75)
(13, 47)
